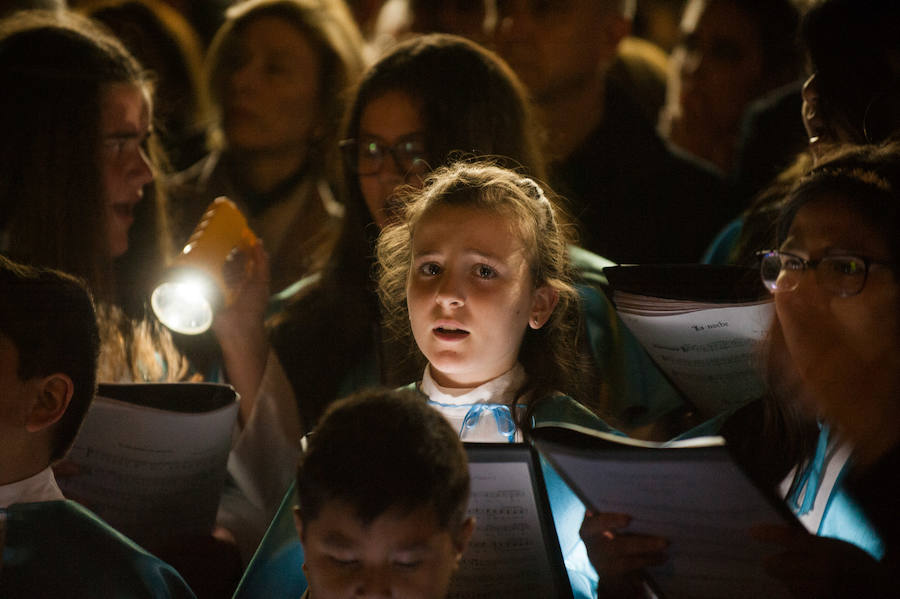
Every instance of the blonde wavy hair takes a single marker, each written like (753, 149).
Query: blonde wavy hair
(139, 351)
(549, 354)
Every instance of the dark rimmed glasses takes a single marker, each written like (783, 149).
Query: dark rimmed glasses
(366, 155)
(842, 275)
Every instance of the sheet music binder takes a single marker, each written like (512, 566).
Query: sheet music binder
(514, 551)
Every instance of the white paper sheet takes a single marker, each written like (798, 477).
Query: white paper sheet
(151, 473)
(696, 498)
(712, 356)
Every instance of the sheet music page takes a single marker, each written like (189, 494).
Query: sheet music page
(506, 557)
(710, 355)
(704, 505)
(151, 473)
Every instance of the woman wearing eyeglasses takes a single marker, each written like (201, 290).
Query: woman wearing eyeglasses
(827, 436)
(835, 346)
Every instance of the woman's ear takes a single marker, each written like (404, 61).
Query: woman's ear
(542, 305)
(54, 392)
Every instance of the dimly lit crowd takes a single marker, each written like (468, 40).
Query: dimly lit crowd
(435, 187)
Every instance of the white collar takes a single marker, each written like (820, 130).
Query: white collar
(40, 487)
(500, 390)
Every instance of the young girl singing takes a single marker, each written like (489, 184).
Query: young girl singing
(476, 271)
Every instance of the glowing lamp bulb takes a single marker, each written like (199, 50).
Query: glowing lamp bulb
(194, 287)
(184, 306)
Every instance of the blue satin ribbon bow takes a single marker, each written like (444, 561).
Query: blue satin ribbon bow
(506, 425)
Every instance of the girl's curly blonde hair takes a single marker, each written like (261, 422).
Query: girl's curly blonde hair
(549, 354)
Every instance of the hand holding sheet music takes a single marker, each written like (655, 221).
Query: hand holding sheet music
(691, 493)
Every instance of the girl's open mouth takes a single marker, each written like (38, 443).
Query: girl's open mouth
(450, 334)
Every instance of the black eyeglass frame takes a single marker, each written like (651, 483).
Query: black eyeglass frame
(821, 279)
(350, 151)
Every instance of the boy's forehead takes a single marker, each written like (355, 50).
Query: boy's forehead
(338, 523)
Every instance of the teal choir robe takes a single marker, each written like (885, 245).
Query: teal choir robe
(61, 549)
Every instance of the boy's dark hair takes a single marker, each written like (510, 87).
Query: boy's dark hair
(379, 450)
(49, 316)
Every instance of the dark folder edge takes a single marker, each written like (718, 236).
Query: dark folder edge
(711, 283)
(524, 452)
(187, 398)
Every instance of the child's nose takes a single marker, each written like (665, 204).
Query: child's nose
(449, 291)
(374, 582)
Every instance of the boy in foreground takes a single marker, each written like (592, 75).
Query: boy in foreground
(52, 547)
(383, 488)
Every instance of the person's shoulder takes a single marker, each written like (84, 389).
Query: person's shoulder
(694, 171)
(588, 266)
(560, 408)
(412, 388)
(197, 175)
(63, 549)
(294, 292)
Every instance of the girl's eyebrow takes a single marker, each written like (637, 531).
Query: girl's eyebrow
(467, 252)
(482, 254)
